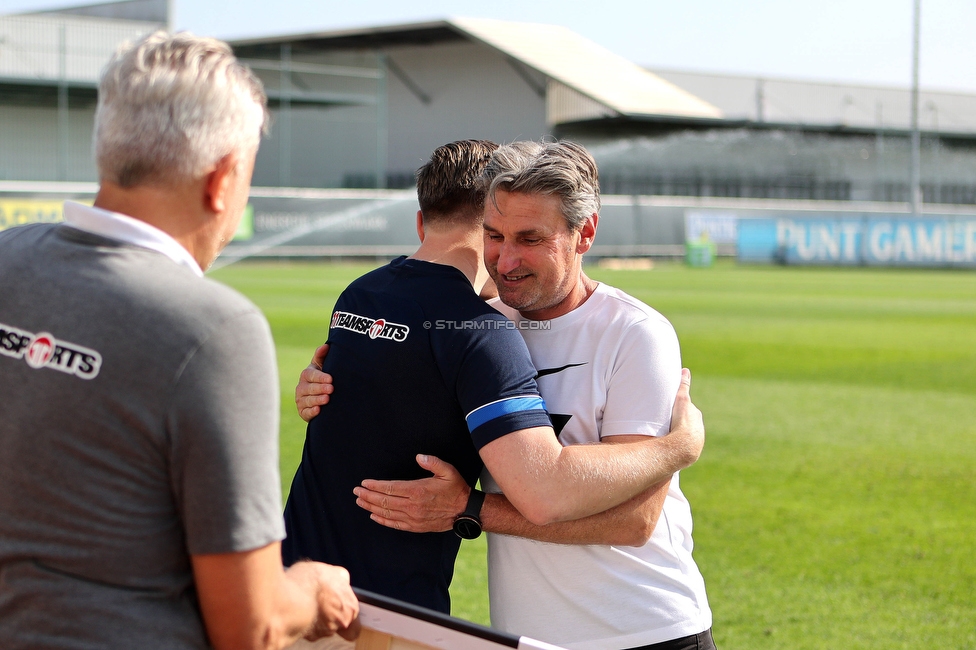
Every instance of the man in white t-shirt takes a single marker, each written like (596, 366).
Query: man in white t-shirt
(608, 368)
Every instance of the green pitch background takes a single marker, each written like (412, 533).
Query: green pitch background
(835, 502)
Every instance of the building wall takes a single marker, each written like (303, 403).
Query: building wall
(62, 48)
(38, 55)
(31, 144)
(452, 91)
(775, 164)
(324, 118)
(347, 127)
(474, 93)
(327, 145)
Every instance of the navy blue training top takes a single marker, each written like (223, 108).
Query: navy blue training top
(421, 365)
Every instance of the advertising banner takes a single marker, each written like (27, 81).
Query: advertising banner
(870, 240)
(17, 212)
(716, 227)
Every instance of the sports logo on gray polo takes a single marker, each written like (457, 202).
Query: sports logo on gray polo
(42, 350)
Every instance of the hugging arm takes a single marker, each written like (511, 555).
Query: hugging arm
(549, 483)
(431, 504)
(630, 523)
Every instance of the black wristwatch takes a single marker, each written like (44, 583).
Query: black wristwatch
(467, 525)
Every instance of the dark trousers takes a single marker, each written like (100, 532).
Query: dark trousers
(702, 641)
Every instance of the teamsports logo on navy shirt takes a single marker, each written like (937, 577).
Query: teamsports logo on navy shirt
(42, 350)
(377, 328)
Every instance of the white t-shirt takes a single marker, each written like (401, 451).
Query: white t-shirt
(613, 365)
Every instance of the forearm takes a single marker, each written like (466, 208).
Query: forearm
(320, 593)
(522, 461)
(249, 601)
(629, 524)
(294, 610)
(624, 470)
(551, 485)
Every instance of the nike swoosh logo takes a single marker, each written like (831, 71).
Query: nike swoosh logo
(559, 421)
(552, 371)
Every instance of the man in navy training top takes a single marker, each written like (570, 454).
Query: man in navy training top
(427, 367)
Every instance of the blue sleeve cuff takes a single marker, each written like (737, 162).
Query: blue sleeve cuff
(491, 421)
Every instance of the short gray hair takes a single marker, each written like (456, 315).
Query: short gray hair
(564, 169)
(172, 105)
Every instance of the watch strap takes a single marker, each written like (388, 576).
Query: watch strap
(467, 525)
(475, 501)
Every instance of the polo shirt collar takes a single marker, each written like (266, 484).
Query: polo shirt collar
(128, 230)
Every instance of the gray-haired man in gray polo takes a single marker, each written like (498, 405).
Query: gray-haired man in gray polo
(140, 504)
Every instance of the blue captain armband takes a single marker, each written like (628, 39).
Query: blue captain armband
(491, 421)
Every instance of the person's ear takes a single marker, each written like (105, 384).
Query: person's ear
(218, 183)
(420, 225)
(587, 233)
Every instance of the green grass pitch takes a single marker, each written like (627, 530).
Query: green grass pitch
(835, 502)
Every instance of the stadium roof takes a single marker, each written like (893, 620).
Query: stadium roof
(588, 68)
(154, 11)
(614, 85)
(834, 106)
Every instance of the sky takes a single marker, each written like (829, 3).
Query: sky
(861, 41)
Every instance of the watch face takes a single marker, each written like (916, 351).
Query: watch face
(467, 527)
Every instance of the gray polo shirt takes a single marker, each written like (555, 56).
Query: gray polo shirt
(138, 425)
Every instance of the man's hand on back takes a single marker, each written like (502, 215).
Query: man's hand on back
(314, 386)
(427, 505)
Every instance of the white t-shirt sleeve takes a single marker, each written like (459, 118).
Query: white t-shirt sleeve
(644, 380)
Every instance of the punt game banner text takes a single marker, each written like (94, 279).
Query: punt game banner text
(871, 241)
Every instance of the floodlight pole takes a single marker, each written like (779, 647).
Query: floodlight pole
(915, 183)
(284, 113)
(64, 121)
(382, 121)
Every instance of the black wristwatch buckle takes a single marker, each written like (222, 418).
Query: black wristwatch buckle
(467, 525)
